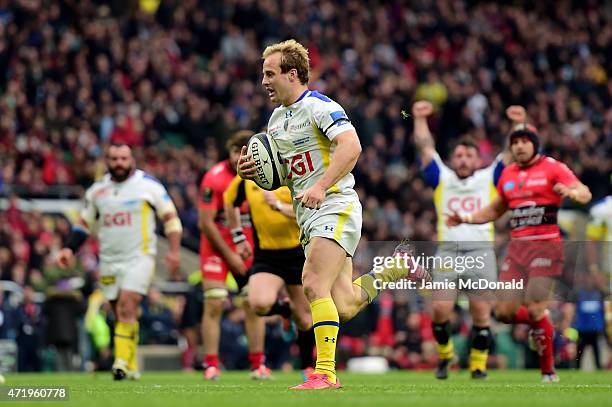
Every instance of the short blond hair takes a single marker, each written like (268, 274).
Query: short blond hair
(293, 56)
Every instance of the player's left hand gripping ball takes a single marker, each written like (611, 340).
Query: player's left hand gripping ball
(246, 166)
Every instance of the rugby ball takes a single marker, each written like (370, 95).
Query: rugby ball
(271, 172)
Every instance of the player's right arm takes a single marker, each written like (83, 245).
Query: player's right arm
(80, 231)
(489, 213)
(576, 191)
(422, 136)
(207, 213)
(333, 123)
(346, 154)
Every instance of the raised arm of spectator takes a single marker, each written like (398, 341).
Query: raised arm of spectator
(422, 136)
(517, 115)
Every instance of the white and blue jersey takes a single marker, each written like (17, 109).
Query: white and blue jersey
(124, 214)
(600, 220)
(464, 196)
(600, 228)
(304, 132)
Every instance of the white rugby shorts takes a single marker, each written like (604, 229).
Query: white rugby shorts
(338, 219)
(131, 275)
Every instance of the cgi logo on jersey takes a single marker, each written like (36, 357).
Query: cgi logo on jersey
(117, 219)
(464, 204)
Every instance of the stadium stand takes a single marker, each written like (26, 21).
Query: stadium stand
(175, 78)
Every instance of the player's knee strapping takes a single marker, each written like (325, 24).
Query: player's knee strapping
(241, 298)
(282, 308)
(444, 344)
(366, 282)
(216, 293)
(479, 352)
(325, 324)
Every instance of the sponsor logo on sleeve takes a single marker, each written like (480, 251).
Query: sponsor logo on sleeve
(207, 195)
(338, 115)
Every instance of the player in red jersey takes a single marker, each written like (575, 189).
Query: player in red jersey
(218, 257)
(532, 188)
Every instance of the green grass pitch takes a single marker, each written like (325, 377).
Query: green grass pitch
(407, 389)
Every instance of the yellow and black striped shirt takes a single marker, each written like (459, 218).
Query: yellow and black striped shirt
(273, 230)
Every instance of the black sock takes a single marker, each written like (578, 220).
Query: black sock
(306, 344)
(441, 332)
(481, 337)
(281, 308)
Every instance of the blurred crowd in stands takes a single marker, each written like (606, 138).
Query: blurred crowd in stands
(175, 78)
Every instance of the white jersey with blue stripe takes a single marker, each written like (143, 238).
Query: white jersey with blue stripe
(303, 132)
(124, 213)
(600, 220)
(464, 196)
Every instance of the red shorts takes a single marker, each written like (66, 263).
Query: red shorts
(213, 265)
(532, 258)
